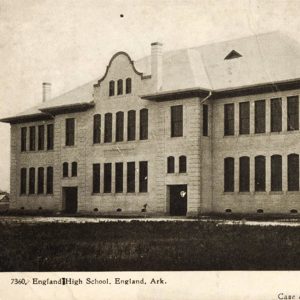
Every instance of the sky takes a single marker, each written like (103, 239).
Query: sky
(70, 42)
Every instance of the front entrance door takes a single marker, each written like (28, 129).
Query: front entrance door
(70, 194)
(178, 200)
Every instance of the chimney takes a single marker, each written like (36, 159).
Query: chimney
(46, 91)
(156, 65)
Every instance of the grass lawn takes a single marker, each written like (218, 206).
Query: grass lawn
(145, 246)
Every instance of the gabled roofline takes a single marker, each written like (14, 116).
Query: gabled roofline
(131, 62)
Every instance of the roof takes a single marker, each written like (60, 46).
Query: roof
(249, 61)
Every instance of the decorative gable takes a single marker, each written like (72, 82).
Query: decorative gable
(233, 54)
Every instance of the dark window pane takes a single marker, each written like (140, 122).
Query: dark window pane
(111, 88)
(50, 136)
(31, 180)
(176, 121)
(131, 125)
(130, 177)
(96, 178)
(205, 120)
(144, 124)
(171, 164)
(244, 174)
(143, 178)
(128, 85)
(276, 115)
(120, 87)
(119, 126)
(244, 118)
(32, 138)
(107, 178)
(293, 113)
(40, 180)
(65, 169)
(23, 138)
(97, 129)
(41, 134)
(23, 181)
(108, 128)
(119, 177)
(228, 174)
(293, 172)
(74, 169)
(229, 119)
(260, 173)
(260, 116)
(70, 132)
(49, 180)
(276, 173)
(182, 164)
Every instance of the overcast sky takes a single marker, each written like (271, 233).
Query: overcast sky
(70, 42)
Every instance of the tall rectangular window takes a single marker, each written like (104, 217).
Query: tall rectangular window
(176, 120)
(23, 138)
(119, 177)
(97, 129)
(40, 180)
(32, 138)
(244, 118)
(49, 180)
(70, 132)
(276, 173)
(50, 136)
(41, 135)
(276, 115)
(31, 180)
(96, 178)
(293, 172)
(260, 116)
(229, 119)
(23, 181)
(293, 113)
(119, 126)
(144, 124)
(108, 128)
(229, 174)
(205, 119)
(131, 125)
(107, 178)
(244, 174)
(260, 173)
(131, 177)
(143, 178)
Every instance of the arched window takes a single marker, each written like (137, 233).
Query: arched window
(182, 164)
(131, 125)
(260, 173)
(171, 164)
(108, 128)
(229, 174)
(119, 126)
(74, 169)
(120, 87)
(293, 172)
(97, 129)
(111, 88)
(65, 169)
(144, 124)
(244, 174)
(276, 173)
(128, 85)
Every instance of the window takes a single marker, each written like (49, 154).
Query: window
(260, 173)
(171, 164)
(229, 119)
(120, 87)
(130, 177)
(111, 88)
(107, 178)
(50, 136)
(128, 85)
(119, 126)
(74, 169)
(96, 178)
(97, 129)
(23, 138)
(70, 132)
(131, 125)
(144, 124)
(276, 115)
(244, 118)
(260, 116)
(65, 169)
(40, 180)
(49, 180)
(32, 138)
(182, 164)
(31, 180)
(143, 178)
(229, 174)
(205, 120)
(41, 135)
(119, 177)
(176, 121)
(108, 128)
(244, 174)
(276, 173)
(293, 113)
(293, 172)
(23, 181)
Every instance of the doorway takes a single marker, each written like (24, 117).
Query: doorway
(70, 196)
(178, 200)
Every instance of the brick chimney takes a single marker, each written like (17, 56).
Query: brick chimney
(156, 65)
(46, 91)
